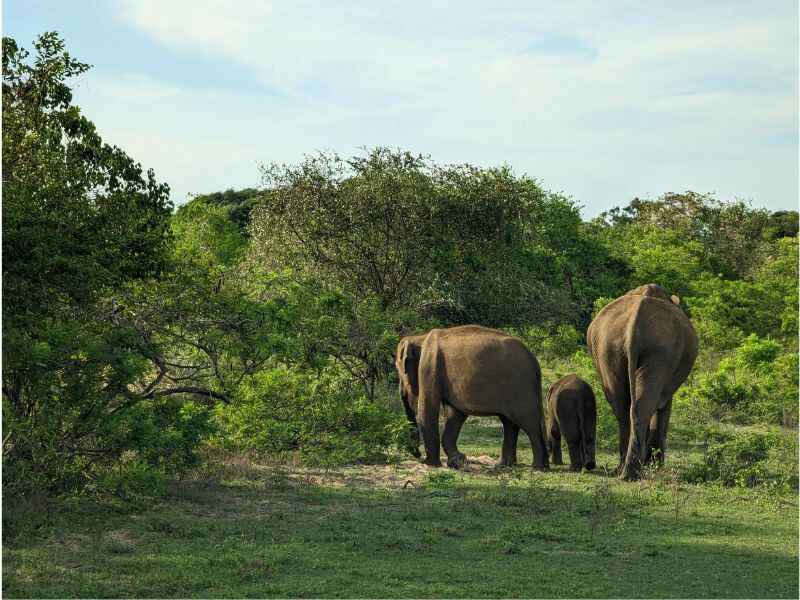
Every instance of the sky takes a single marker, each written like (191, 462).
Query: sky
(602, 101)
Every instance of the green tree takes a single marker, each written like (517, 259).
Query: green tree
(730, 233)
(457, 242)
(82, 223)
(236, 205)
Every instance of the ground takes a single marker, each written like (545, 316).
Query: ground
(243, 528)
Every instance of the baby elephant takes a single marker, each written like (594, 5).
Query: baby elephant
(572, 413)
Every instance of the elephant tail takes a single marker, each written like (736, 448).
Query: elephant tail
(633, 364)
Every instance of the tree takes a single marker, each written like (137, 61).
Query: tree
(730, 233)
(458, 242)
(78, 215)
(236, 205)
(783, 223)
(82, 224)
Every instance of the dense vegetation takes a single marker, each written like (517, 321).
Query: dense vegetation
(136, 338)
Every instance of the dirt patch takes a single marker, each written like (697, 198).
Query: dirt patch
(398, 475)
(122, 537)
(75, 542)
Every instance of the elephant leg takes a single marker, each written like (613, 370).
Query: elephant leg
(452, 428)
(660, 442)
(508, 456)
(652, 439)
(648, 388)
(575, 455)
(624, 439)
(533, 426)
(617, 392)
(428, 419)
(554, 442)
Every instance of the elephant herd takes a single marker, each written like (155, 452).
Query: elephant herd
(642, 345)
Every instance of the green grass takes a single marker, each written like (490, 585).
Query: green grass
(247, 529)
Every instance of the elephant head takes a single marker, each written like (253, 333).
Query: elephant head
(407, 363)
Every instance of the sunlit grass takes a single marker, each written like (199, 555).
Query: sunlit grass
(244, 528)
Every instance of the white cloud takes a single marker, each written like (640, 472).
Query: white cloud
(605, 103)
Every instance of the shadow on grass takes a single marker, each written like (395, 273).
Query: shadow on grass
(507, 532)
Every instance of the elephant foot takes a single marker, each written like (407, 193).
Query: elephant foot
(507, 462)
(456, 461)
(589, 466)
(576, 468)
(630, 473)
(543, 467)
(655, 456)
(432, 462)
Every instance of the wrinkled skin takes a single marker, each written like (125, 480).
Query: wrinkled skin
(471, 370)
(572, 415)
(643, 346)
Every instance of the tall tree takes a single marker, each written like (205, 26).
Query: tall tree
(82, 223)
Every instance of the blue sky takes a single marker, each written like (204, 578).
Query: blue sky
(602, 101)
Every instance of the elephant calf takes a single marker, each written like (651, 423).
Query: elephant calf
(572, 414)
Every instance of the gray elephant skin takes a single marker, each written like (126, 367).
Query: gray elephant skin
(471, 370)
(643, 346)
(572, 415)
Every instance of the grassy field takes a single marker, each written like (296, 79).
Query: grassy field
(246, 529)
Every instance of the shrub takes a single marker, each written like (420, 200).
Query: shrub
(756, 383)
(560, 342)
(326, 421)
(749, 459)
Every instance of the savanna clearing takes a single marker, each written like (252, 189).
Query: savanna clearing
(242, 528)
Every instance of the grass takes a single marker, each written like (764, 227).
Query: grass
(246, 529)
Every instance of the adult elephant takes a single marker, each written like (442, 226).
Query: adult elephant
(471, 370)
(643, 346)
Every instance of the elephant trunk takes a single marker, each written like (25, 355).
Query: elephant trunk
(414, 438)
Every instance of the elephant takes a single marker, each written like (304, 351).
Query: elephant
(643, 347)
(471, 370)
(572, 413)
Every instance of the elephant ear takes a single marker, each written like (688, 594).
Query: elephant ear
(411, 366)
(675, 300)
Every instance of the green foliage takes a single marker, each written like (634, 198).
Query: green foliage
(730, 233)
(316, 414)
(657, 255)
(205, 233)
(130, 333)
(726, 311)
(78, 215)
(82, 223)
(757, 383)
(458, 243)
(749, 459)
(782, 223)
(560, 342)
(236, 205)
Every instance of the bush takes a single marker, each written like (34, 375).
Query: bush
(319, 416)
(749, 459)
(69, 427)
(560, 342)
(757, 382)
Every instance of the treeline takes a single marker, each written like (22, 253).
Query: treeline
(265, 320)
